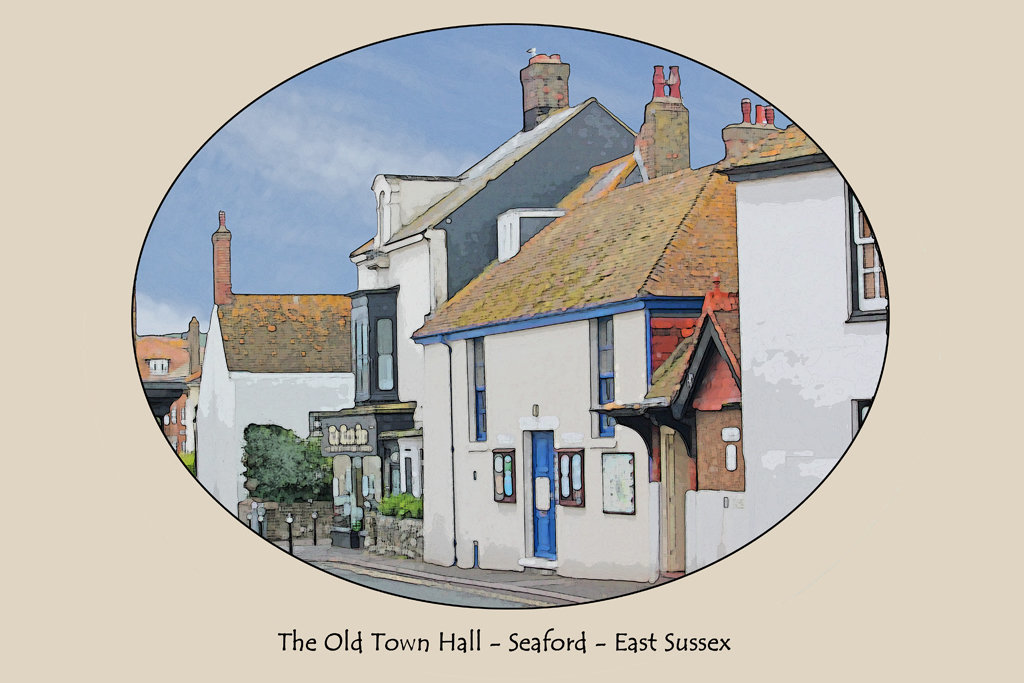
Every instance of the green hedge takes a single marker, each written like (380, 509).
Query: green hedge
(289, 469)
(402, 505)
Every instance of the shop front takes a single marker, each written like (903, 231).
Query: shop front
(376, 453)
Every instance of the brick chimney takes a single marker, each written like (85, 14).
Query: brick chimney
(545, 88)
(740, 137)
(193, 345)
(663, 144)
(222, 264)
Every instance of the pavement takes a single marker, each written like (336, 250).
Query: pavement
(529, 588)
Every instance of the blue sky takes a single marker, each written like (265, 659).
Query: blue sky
(293, 169)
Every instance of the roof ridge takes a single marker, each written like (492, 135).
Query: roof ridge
(675, 232)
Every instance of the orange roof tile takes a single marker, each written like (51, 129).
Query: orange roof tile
(789, 143)
(667, 237)
(174, 349)
(668, 378)
(601, 180)
(287, 333)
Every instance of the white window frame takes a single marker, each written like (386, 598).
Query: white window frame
(158, 366)
(858, 243)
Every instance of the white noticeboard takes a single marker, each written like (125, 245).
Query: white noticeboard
(619, 483)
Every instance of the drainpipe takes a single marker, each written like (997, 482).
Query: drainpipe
(451, 441)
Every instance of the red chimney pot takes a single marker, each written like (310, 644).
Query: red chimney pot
(673, 83)
(221, 218)
(759, 109)
(659, 82)
(745, 108)
(769, 114)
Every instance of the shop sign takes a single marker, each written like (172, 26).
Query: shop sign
(355, 435)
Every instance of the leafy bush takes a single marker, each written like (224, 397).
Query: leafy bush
(402, 505)
(288, 468)
(190, 461)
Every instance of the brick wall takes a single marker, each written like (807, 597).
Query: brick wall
(302, 526)
(666, 333)
(711, 471)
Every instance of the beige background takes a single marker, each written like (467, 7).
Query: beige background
(117, 567)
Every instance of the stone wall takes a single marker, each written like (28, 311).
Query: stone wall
(393, 536)
(276, 528)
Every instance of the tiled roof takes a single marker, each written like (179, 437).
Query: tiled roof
(667, 237)
(729, 328)
(287, 333)
(668, 378)
(601, 180)
(789, 143)
(173, 348)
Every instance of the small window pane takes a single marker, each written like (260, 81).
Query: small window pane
(563, 470)
(504, 476)
(869, 256)
(386, 372)
(605, 361)
(730, 457)
(604, 332)
(869, 285)
(385, 336)
(577, 471)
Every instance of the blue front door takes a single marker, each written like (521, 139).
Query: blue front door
(544, 495)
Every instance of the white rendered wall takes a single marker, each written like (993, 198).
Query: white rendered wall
(550, 367)
(191, 408)
(215, 423)
(437, 470)
(712, 529)
(231, 401)
(802, 363)
(410, 270)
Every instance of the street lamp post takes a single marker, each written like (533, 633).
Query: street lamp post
(289, 521)
(315, 515)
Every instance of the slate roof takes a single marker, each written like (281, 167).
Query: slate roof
(287, 333)
(475, 178)
(789, 143)
(667, 237)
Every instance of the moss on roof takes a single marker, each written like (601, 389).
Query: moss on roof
(789, 143)
(667, 237)
(287, 333)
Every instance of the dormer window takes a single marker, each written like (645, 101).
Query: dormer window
(158, 366)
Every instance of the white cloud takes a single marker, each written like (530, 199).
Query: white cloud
(296, 142)
(162, 317)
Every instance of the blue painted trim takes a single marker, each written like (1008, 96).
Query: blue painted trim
(647, 329)
(672, 303)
